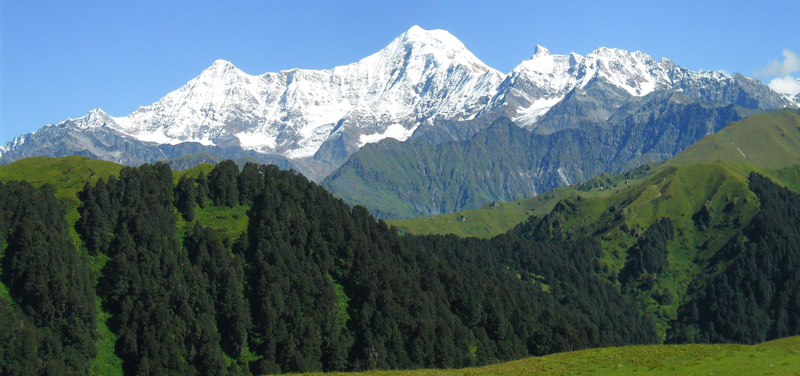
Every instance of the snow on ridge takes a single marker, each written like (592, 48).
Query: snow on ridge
(396, 131)
(635, 72)
(536, 110)
(420, 74)
(254, 140)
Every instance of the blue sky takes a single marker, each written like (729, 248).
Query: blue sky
(62, 59)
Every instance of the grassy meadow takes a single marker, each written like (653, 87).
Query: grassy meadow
(780, 357)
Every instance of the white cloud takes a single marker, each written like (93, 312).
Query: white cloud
(790, 64)
(785, 85)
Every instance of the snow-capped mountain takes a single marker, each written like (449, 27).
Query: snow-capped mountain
(318, 118)
(421, 74)
(536, 85)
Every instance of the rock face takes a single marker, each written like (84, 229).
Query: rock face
(425, 85)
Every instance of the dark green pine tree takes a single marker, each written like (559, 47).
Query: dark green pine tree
(95, 222)
(222, 184)
(186, 197)
(250, 182)
(202, 189)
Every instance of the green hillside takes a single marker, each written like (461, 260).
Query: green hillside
(767, 140)
(779, 357)
(708, 203)
(499, 217)
(67, 174)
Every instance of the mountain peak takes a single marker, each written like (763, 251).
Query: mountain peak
(540, 51)
(97, 112)
(429, 45)
(93, 119)
(435, 38)
(220, 65)
(416, 29)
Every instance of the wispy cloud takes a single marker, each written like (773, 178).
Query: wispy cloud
(785, 85)
(780, 73)
(790, 64)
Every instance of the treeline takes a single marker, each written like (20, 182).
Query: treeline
(47, 327)
(750, 292)
(313, 285)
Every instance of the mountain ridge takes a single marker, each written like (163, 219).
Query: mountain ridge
(504, 162)
(425, 85)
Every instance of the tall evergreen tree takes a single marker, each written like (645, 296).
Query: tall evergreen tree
(225, 276)
(250, 183)
(202, 189)
(186, 197)
(222, 184)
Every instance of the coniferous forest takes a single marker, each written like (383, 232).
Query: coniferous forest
(313, 284)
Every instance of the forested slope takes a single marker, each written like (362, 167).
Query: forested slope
(47, 296)
(314, 285)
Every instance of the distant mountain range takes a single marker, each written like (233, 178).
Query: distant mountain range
(424, 85)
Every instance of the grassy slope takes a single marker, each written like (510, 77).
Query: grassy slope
(227, 222)
(780, 357)
(68, 174)
(677, 193)
(768, 140)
